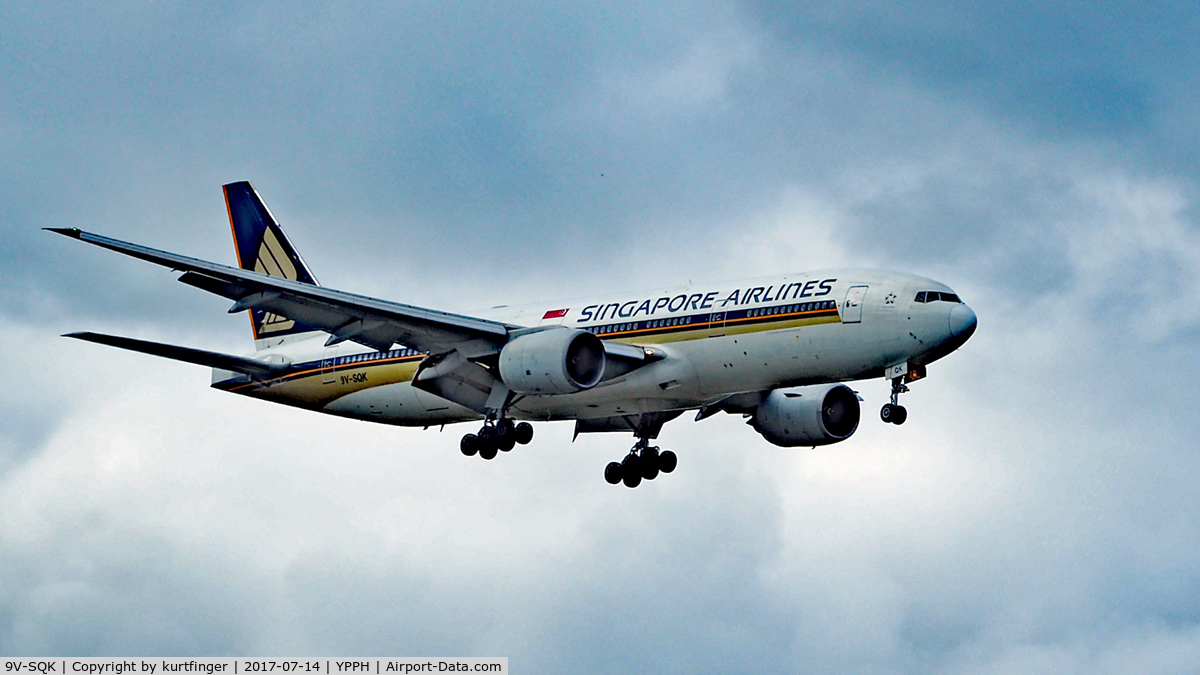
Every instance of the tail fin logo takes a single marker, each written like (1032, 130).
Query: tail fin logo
(262, 246)
(273, 261)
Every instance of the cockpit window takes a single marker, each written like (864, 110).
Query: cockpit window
(934, 296)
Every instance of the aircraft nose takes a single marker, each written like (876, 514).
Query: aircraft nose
(962, 322)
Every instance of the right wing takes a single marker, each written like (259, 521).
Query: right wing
(346, 316)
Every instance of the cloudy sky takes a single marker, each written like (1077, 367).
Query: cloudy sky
(1039, 512)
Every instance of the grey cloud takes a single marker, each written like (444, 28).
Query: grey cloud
(1078, 69)
(28, 424)
(418, 124)
(107, 589)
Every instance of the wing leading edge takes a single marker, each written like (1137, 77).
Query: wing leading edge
(346, 316)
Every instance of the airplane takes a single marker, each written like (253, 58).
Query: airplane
(776, 350)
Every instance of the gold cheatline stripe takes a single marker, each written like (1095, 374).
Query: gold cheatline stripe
(704, 325)
(318, 370)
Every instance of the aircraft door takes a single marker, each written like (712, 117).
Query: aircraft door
(327, 365)
(716, 324)
(852, 308)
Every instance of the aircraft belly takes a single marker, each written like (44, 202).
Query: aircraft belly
(547, 408)
(399, 403)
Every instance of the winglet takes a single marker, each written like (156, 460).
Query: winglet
(72, 232)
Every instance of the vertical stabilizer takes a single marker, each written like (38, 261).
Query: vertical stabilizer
(262, 246)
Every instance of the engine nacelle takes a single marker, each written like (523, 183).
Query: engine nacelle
(553, 361)
(814, 415)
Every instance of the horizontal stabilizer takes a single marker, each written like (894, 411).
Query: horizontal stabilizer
(237, 364)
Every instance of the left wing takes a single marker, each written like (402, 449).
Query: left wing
(453, 339)
(346, 316)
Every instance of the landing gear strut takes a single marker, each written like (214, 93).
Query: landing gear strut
(643, 461)
(894, 412)
(499, 435)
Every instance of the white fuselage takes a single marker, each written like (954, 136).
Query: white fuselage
(715, 341)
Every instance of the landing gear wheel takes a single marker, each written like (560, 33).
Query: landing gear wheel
(667, 461)
(504, 427)
(649, 462)
(489, 443)
(612, 473)
(888, 413)
(487, 436)
(524, 433)
(644, 461)
(631, 471)
(893, 412)
(469, 445)
(506, 435)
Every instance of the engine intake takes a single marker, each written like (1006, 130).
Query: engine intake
(813, 415)
(553, 361)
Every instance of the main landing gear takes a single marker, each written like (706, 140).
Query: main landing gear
(894, 412)
(643, 461)
(496, 436)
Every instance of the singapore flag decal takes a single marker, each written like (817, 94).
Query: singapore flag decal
(556, 314)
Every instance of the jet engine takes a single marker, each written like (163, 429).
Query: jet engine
(554, 361)
(813, 415)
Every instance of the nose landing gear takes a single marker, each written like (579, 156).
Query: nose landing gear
(893, 412)
(496, 436)
(643, 462)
